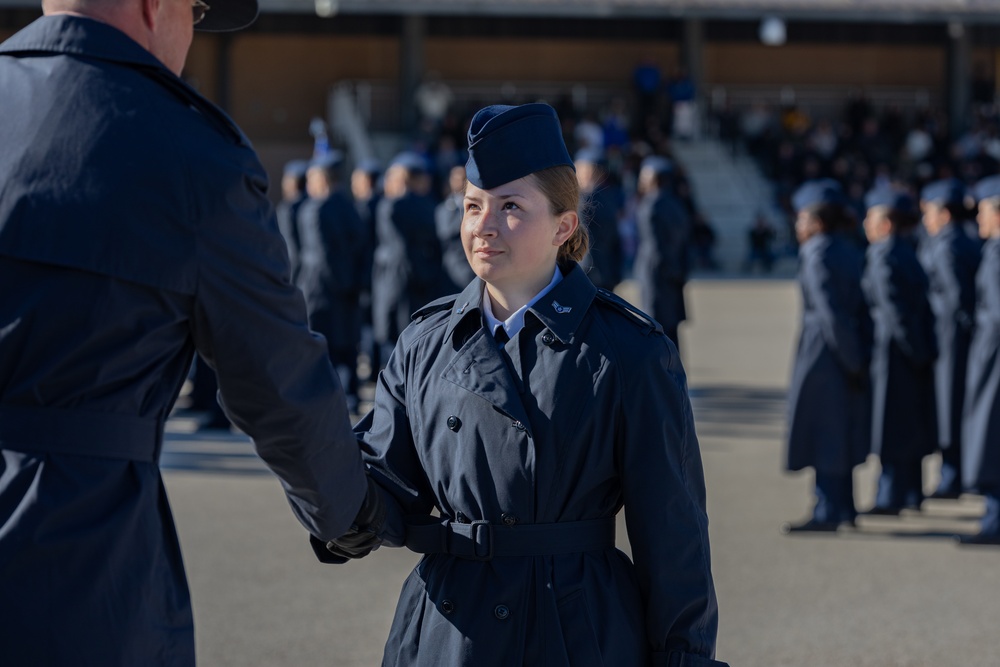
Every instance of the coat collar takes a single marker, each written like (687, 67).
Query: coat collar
(561, 310)
(79, 35)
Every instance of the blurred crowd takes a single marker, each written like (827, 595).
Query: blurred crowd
(864, 147)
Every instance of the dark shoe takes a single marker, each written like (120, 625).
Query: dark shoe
(882, 511)
(810, 526)
(945, 495)
(979, 539)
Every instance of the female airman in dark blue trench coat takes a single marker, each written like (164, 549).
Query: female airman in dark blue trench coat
(528, 450)
(904, 424)
(981, 427)
(829, 397)
(950, 258)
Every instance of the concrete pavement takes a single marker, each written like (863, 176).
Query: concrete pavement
(894, 592)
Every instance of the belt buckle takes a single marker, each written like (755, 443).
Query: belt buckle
(482, 540)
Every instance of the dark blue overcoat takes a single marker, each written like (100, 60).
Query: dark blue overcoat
(287, 215)
(950, 260)
(333, 264)
(829, 399)
(904, 424)
(981, 458)
(407, 269)
(589, 413)
(602, 211)
(661, 262)
(134, 229)
(448, 217)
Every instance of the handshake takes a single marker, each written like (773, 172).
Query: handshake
(363, 536)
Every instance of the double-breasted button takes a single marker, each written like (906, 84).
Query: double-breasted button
(502, 612)
(548, 338)
(519, 426)
(447, 606)
(461, 518)
(508, 519)
(454, 423)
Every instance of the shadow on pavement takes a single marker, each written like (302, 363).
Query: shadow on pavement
(739, 412)
(216, 452)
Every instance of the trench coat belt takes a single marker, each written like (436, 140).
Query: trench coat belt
(45, 430)
(481, 540)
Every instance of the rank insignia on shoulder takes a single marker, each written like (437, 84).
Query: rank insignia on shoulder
(562, 310)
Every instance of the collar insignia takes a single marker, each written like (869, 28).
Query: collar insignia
(562, 310)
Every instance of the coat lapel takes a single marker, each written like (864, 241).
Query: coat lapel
(479, 367)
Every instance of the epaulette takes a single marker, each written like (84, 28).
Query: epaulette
(444, 303)
(633, 314)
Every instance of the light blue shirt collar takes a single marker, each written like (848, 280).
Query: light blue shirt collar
(515, 322)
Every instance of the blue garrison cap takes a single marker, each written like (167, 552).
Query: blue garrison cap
(819, 191)
(369, 166)
(987, 188)
(507, 143)
(891, 198)
(329, 161)
(592, 155)
(411, 160)
(296, 168)
(944, 192)
(658, 164)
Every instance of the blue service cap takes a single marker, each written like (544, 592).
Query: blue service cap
(987, 188)
(657, 164)
(226, 15)
(330, 160)
(891, 198)
(296, 168)
(411, 161)
(819, 191)
(944, 192)
(509, 142)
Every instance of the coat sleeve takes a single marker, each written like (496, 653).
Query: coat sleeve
(664, 496)
(390, 452)
(903, 296)
(275, 378)
(957, 294)
(826, 288)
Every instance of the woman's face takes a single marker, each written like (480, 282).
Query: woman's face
(511, 237)
(807, 226)
(877, 225)
(935, 217)
(989, 218)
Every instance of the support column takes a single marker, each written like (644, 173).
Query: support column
(959, 77)
(693, 60)
(411, 69)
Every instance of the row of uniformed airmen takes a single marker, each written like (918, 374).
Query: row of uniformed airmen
(898, 352)
(368, 256)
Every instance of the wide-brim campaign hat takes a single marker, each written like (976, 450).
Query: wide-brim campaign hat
(510, 142)
(226, 15)
(817, 192)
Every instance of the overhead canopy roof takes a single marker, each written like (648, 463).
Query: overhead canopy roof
(893, 11)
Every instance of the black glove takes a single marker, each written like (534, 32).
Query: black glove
(363, 536)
